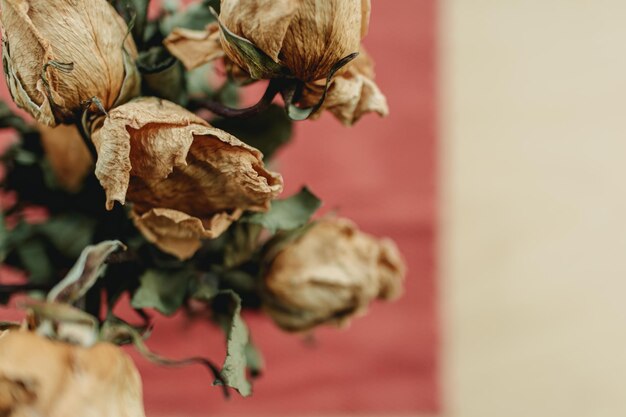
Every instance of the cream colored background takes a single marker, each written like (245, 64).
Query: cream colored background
(533, 168)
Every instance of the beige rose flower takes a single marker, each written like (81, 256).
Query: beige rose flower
(59, 53)
(68, 155)
(186, 179)
(308, 37)
(351, 94)
(41, 377)
(329, 275)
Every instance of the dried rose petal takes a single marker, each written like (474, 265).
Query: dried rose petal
(351, 94)
(67, 153)
(195, 47)
(41, 377)
(178, 233)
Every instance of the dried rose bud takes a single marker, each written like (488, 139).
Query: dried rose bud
(186, 179)
(69, 157)
(329, 275)
(41, 377)
(57, 54)
(351, 94)
(308, 37)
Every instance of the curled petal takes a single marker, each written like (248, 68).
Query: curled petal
(194, 47)
(179, 234)
(158, 154)
(352, 94)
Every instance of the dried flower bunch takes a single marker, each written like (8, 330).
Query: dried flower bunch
(152, 183)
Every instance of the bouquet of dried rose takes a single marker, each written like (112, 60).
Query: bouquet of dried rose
(157, 188)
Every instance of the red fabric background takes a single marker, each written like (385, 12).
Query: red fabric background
(381, 174)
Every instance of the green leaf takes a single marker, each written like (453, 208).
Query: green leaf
(242, 242)
(259, 64)
(267, 131)
(35, 260)
(69, 233)
(162, 290)
(287, 214)
(254, 359)
(227, 305)
(194, 17)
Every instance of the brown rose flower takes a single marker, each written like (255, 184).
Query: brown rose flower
(69, 157)
(329, 275)
(351, 94)
(307, 37)
(41, 377)
(186, 179)
(59, 53)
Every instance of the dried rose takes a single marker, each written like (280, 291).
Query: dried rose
(329, 275)
(57, 54)
(351, 94)
(186, 179)
(305, 37)
(69, 157)
(41, 377)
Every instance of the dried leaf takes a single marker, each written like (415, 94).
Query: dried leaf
(83, 275)
(227, 306)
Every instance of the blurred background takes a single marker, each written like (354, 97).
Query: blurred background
(532, 268)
